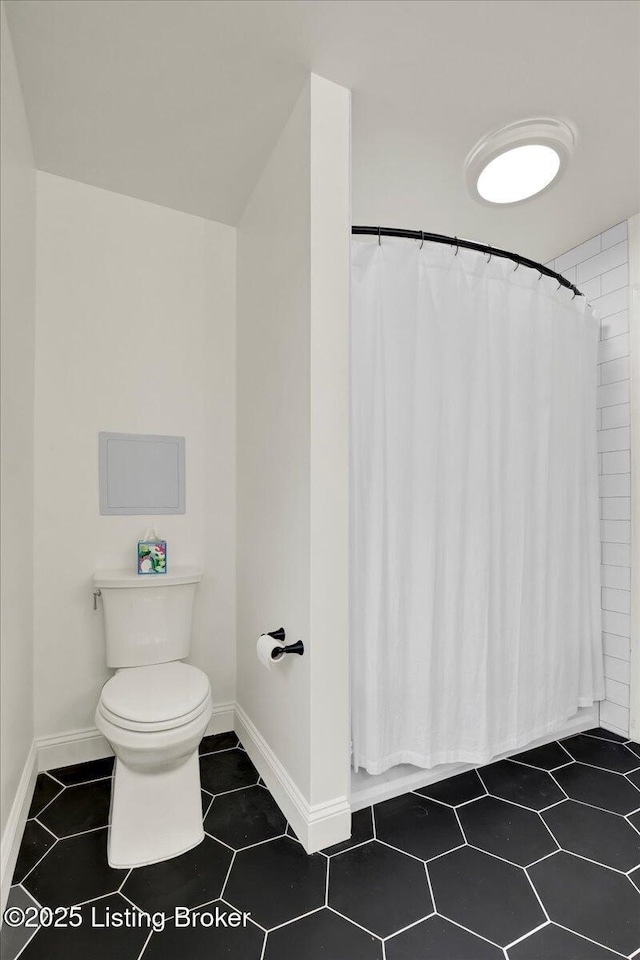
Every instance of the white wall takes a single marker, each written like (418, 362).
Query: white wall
(293, 283)
(17, 244)
(600, 269)
(135, 332)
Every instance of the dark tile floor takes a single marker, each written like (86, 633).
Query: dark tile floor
(532, 858)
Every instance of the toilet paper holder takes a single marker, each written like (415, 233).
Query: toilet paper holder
(278, 652)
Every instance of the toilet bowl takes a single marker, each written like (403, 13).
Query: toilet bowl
(154, 711)
(154, 718)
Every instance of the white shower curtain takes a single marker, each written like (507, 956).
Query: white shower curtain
(475, 606)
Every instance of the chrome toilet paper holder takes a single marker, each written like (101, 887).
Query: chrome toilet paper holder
(278, 652)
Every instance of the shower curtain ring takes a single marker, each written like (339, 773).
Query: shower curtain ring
(559, 285)
(574, 295)
(379, 239)
(490, 253)
(456, 253)
(422, 239)
(516, 266)
(540, 275)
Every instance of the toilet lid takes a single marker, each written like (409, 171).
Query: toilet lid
(162, 691)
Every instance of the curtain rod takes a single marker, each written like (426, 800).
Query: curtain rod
(422, 235)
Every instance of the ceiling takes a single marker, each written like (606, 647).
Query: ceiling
(180, 101)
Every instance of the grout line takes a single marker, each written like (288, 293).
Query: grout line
(231, 906)
(224, 793)
(146, 943)
(355, 924)
(524, 936)
(409, 926)
(287, 923)
(25, 945)
(469, 930)
(42, 809)
(210, 753)
(546, 856)
(614, 953)
(419, 859)
(537, 896)
(82, 833)
(129, 872)
(44, 827)
(55, 779)
(226, 879)
(326, 886)
(438, 855)
(264, 945)
(461, 828)
(338, 853)
(433, 896)
(84, 903)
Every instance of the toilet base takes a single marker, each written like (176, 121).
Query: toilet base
(155, 814)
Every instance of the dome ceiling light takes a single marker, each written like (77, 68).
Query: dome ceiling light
(519, 161)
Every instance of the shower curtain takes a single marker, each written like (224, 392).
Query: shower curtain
(475, 600)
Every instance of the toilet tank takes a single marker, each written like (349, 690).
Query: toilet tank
(147, 619)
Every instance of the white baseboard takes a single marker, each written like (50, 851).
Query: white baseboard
(79, 746)
(367, 789)
(12, 834)
(74, 746)
(316, 826)
(221, 718)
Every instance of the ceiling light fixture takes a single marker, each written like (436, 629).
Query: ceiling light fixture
(519, 161)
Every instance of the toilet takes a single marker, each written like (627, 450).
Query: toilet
(154, 711)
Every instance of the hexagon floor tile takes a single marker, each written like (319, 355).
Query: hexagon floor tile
(78, 808)
(602, 753)
(45, 790)
(193, 878)
(226, 770)
(379, 888)
(92, 938)
(591, 900)
(322, 935)
(429, 880)
(244, 817)
(202, 942)
(277, 881)
(417, 825)
(455, 790)
(532, 788)
(74, 870)
(550, 756)
(488, 896)
(555, 943)
(35, 843)
(609, 791)
(507, 831)
(595, 834)
(437, 938)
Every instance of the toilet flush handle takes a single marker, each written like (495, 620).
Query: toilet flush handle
(96, 594)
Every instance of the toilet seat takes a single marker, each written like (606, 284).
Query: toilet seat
(154, 698)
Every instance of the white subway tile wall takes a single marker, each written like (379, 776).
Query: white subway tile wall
(600, 268)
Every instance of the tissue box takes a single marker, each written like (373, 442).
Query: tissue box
(152, 557)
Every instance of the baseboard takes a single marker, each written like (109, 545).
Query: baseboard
(367, 789)
(74, 746)
(317, 826)
(12, 834)
(221, 718)
(80, 746)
